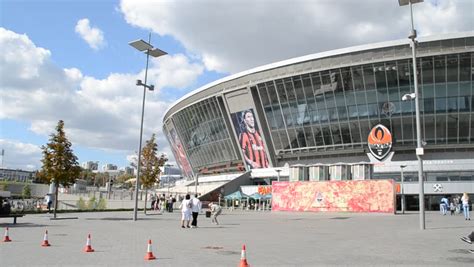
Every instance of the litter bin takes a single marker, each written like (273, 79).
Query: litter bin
(208, 214)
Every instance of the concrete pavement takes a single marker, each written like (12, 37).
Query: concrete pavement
(272, 239)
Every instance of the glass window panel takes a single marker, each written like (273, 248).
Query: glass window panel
(272, 93)
(262, 89)
(316, 79)
(358, 79)
(403, 73)
(440, 105)
(428, 105)
(380, 80)
(452, 121)
(300, 95)
(342, 112)
(290, 91)
(440, 69)
(429, 128)
(281, 91)
(408, 130)
(441, 129)
(427, 70)
(352, 111)
(309, 136)
(369, 77)
(452, 68)
(355, 131)
(307, 88)
(463, 103)
(301, 137)
(391, 71)
(440, 90)
(293, 140)
(327, 135)
(276, 140)
(464, 128)
(465, 67)
(452, 104)
(318, 137)
(347, 79)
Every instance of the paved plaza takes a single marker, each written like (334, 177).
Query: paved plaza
(272, 239)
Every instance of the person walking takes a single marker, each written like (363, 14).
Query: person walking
(465, 206)
(215, 211)
(444, 205)
(49, 201)
(452, 208)
(186, 210)
(196, 203)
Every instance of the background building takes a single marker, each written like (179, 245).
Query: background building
(320, 109)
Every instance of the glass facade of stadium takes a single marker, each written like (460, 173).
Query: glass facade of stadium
(320, 109)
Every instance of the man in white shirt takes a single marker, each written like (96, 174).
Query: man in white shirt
(196, 208)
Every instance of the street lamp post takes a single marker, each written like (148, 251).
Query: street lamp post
(402, 192)
(278, 174)
(419, 148)
(196, 182)
(148, 49)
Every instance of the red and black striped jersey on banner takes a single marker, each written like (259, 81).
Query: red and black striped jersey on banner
(253, 147)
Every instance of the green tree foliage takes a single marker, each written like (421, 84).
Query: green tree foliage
(150, 166)
(88, 176)
(26, 193)
(60, 165)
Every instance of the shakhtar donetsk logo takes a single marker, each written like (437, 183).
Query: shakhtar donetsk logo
(380, 141)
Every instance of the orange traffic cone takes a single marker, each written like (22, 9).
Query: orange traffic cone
(149, 254)
(45, 240)
(6, 238)
(88, 247)
(243, 258)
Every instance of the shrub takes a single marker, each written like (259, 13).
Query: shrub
(81, 204)
(91, 204)
(102, 204)
(26, 193)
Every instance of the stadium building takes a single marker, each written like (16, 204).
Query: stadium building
(265, 122)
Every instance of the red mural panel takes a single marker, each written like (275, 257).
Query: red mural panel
(352, 196)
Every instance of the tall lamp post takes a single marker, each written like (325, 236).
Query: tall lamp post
(415, 96)
(402, 190)
(149, 50)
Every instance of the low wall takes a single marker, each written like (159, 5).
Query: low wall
(336, 196)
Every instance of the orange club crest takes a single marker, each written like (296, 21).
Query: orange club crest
(380, 141)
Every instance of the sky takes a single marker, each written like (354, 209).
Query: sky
(70, 59)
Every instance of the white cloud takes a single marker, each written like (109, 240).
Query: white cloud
(231, 36)
(98, 113)
(20, 155)
(23, 60)
(92, 35)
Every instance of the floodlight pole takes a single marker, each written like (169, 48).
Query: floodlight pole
(419, 148)
(143, 46)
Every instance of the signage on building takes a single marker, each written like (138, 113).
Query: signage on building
(379, 141)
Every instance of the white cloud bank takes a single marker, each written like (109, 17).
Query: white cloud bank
(92, 35)
(98, 113)
(231, 36)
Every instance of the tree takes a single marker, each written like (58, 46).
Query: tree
(88, 176)
(60, 165)
(26, 193)
(124, 178)
(150, 166)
